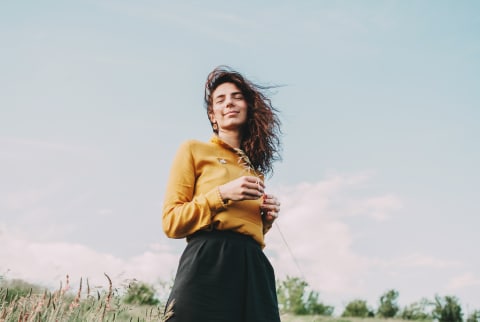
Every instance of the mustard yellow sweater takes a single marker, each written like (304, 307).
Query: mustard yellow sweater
(192, 201)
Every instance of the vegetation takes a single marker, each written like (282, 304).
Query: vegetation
(447, 309)
(293, 298)
(357, 308)
(388, 307)
(474, 316)
(28, 304)
(138, 301)
(15, 289)
(417, 311)
(141, 294)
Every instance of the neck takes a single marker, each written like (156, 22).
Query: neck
(234, 139)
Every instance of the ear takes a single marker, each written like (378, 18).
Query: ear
(211, 117)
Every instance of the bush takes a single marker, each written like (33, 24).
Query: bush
(474, 316)
(417, 311)
(14, 289)
(141, 294)
(447, 309)
(292, 298)
(388, 307)
(313, 306)
(357, 308)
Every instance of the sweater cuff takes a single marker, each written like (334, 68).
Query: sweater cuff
(215, 201)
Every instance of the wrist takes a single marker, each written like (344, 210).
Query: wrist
(221, 197)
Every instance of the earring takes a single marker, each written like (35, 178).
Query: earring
(215, 126)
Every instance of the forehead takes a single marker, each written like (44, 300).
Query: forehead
(225, 89)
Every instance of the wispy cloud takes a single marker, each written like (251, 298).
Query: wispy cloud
(466, 280)
(312, 239)
(26, 199)
(18, 145)
(48, 263)
(312, 222)
(319, 240)
(418, 260)
(195, 19)
(378, 207)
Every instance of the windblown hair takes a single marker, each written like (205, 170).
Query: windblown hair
(261, 134)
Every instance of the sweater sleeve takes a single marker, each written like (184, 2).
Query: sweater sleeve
(184, 213)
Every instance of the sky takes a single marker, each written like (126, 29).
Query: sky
(380, 110)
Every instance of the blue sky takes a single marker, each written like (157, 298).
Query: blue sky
(380, 110)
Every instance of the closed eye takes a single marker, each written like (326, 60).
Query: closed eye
(219, 99)
(237, 95)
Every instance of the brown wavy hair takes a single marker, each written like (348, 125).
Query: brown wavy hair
(261, 134)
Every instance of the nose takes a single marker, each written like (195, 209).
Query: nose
(228, 101)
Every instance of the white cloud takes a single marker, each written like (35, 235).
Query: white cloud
(28, 146)
(105, 212)
(48, 263)
(466, 280)
(420, 261)
(176, 17)
(380, 207)
(312, 222)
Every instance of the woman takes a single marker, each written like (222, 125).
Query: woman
(216, 198)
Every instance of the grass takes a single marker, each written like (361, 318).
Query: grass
(298, 318)
(24, 302)
(17, 304)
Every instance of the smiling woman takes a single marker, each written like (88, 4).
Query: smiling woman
(229, 111)
(216, 199)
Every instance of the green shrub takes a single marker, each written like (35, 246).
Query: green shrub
(14, 289)
(474, 316)
(417, 310)
(293, 298)
(141, 294)
(357, 308)
(388, 307)
(447, 309)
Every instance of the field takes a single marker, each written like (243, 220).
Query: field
(26, 302)
(35, 308)
(102, 308)
(294, 318)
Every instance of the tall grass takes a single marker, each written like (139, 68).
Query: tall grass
(310, 318)
(63, 305)
(22, 302)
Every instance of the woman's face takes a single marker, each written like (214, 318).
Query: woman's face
(229, 108)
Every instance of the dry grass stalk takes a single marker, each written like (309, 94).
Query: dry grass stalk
(169, 311)
(109, 296)
(88, 288)
(64, 305)
(76, 302)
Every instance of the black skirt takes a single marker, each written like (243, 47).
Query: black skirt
(223, 276)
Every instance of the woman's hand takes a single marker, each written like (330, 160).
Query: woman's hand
(270, 209)
(243, 188)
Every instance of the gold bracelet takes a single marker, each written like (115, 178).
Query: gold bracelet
(224, 205)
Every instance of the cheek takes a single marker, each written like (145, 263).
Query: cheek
(216, 112)
(245, 111)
